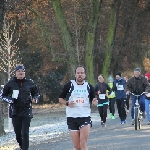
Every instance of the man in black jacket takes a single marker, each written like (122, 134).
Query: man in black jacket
(137, 85)
(20, 93)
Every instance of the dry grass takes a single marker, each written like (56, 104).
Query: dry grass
(55, 106)
(43, 108)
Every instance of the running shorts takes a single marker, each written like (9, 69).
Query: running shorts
(78, 123)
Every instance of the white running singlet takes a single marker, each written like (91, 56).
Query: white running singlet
(80, 96)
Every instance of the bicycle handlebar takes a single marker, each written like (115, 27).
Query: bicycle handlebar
(137, 95)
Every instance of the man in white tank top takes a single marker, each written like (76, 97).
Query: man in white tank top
(77, 95)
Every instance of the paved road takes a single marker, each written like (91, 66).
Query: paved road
(112, 137)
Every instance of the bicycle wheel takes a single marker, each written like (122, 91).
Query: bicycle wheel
(140, 120)
(136, 117)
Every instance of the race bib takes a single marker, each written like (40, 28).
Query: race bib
(15, 94)
(79, 101)
(102, 96)
(120, 87)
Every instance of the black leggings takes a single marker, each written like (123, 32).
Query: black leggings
(21, 126)
(103, 112)
(121, 108)
(111, 105)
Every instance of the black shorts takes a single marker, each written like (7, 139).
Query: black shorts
(78, 123)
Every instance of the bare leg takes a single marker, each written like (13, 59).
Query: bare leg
(75, 135)
(84, 134)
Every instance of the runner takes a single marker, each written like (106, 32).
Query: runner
(78, 94)
(101, 89)
(120, 97)
(112, 98)
(20, 93)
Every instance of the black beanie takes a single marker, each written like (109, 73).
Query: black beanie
(118, 73)
(19, 67)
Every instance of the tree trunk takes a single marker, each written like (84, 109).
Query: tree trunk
(90, 40)
(131, 7)
(2, 132)
(110, 38)
(1, 15)
(66, 36)
(125, 46)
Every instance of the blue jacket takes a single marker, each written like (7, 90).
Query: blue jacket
(120, 93)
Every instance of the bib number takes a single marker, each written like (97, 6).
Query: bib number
(79, 101)
(15, 94)
(120, 87)
(102, 96)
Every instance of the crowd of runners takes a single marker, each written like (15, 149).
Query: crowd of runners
(78, 95)
(118, 90)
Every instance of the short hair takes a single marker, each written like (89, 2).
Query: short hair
(101, 75)
(78, 67)
(119, 74)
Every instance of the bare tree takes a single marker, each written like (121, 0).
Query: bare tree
(90, 39)
(110, 41)
(8, 48)
(8, 51)
(1, 29)
(66, 35)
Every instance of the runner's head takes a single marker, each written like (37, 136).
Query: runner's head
(20, 71)
(80, 74)
(110, 79)
(118, 75)
(137, 72)
(101, 78)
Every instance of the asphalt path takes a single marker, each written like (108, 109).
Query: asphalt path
(112, 137)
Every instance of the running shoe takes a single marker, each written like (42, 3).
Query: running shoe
(148, 123)
(123, 122)
(102, 122)
(104, 125)
(112, 117)
(133, 122)
(127, 110)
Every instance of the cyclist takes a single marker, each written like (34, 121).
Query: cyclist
(77, 95)
(120, 83)
(137, 85)
(147, 100)
(112, 98)
(101, 89)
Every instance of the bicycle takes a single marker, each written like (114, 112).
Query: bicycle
(138, 115)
